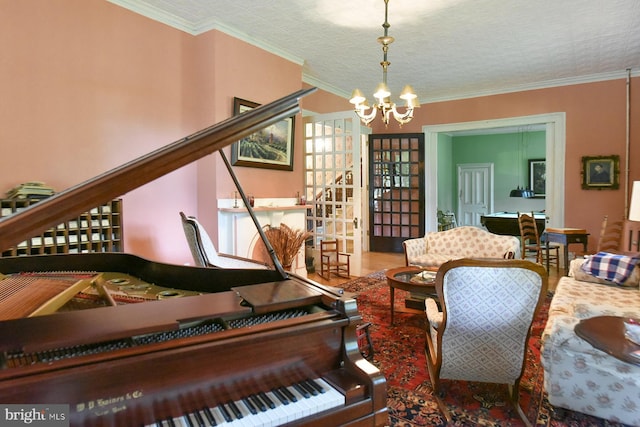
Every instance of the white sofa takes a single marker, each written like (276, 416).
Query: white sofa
(438, 247)
(578, 376)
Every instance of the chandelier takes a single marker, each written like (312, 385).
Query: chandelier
(382, 94)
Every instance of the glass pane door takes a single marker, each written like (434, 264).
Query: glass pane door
(333, 182)
(396, 190)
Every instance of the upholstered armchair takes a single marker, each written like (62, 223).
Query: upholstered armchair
(438, 247)
(481, 328)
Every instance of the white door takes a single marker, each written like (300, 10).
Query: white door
(333, 182)
(475, 192)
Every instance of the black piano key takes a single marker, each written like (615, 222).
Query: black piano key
(280, 395)
(198, 418)
(207, 413)
(317, 386)
(301, 390)
(250, 405)
(193, 419)
(292, 397)
(267, 400)
(235, 409)
(170, 422)
(225, 413)
(308, 387)
(259, 403)
(188, 420)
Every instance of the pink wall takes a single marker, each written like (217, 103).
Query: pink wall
(222, 68)
(87, 86)
(322, 102)
(93, 85)
(595, 126)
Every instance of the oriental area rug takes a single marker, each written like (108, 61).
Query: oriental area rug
(399, 354)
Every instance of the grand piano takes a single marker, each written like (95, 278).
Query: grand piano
(124, 341)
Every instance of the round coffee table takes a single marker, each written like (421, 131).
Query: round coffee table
(405, 278)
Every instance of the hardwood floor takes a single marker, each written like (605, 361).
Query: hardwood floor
(376, 261)
(371, 262)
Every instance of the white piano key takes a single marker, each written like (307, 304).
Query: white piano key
(271, 417)
(277, 416)
(302, 407)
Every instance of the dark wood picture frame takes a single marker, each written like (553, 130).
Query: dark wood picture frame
(538, 178)
(269, 148)
(600, 172)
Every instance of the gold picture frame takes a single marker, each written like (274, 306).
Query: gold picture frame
(600, 172)
(269, 148)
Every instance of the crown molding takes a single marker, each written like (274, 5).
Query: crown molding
(202, 27)
(233, 32)
(327, 87)
(592, 78)
(156, 15)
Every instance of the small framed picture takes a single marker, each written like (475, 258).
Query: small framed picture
(269, 148)
(600, 172)
(538, 177)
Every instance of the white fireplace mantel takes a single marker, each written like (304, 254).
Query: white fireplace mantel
(237, 233)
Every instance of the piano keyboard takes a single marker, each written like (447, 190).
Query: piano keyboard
(274, 408)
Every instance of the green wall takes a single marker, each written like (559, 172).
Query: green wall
(509, 153)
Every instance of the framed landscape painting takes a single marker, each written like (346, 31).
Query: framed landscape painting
(269, 148)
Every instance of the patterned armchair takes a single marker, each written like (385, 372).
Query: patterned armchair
(481, 333)
(438, 247)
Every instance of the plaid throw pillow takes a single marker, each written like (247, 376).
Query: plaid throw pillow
(612, 267)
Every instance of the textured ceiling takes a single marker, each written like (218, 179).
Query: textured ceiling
(446, 49)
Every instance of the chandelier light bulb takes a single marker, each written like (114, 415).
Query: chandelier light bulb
(357, 97)
(382, 92)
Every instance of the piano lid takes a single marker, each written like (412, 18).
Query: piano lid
(120, 180)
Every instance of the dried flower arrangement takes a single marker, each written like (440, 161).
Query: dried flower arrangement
(286, 242)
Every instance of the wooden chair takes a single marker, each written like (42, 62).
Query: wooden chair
(621, 236)
(610, 236)
(531, 244)
(333, 261)
(479, 331)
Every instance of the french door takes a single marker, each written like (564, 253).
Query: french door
(396, 190)
(333, 182)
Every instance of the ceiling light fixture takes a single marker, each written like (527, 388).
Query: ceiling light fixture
(382, 94)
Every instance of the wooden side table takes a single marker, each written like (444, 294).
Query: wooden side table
(401, 278)
(564, 236)
(606, 333)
